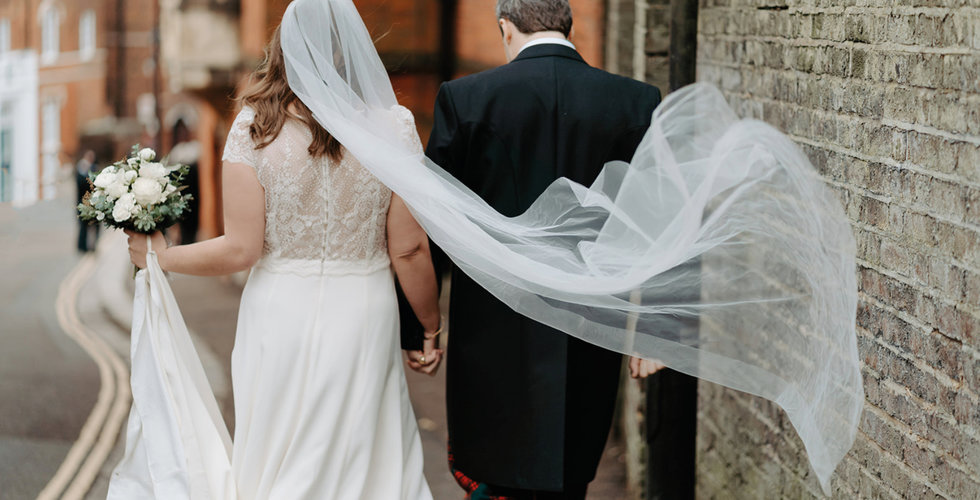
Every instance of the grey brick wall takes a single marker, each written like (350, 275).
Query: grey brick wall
(884, 97)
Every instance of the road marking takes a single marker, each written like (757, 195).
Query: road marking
(98, 436)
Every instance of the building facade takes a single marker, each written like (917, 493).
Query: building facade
(52, 62)
(885, 100)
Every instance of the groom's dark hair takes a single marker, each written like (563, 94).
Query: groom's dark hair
(533, 16)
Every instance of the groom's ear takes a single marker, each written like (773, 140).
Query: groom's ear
(507, 29)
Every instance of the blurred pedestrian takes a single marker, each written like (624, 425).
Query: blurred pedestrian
(83, 168)
(187, 151)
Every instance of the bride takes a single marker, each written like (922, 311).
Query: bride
(321, 403)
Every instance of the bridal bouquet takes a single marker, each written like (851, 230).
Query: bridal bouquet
(136, 193)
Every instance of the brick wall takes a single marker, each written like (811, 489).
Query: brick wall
(885, 100)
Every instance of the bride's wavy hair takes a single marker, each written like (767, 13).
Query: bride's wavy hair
(273, 101)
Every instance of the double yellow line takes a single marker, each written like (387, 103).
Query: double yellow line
(98, 436)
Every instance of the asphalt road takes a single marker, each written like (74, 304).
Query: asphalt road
(48, 384)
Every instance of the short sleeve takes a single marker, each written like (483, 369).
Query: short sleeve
(409, 134)
(240, 148)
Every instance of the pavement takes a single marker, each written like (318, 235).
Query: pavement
(50, 385)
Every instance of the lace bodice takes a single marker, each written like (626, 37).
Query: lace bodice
(321, 216)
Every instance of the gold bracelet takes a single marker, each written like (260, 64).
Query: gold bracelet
(430, 336)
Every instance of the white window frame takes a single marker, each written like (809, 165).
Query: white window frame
(87, 34)
(50, 34)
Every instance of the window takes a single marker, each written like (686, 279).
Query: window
(4, 36)
(50, 34)
(86, 34)
(50, 146)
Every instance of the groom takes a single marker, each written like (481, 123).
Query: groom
(529, 408)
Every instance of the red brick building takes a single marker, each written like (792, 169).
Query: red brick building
(105, 74)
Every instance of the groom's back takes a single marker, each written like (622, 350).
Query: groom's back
(545, 115)
(528, 406)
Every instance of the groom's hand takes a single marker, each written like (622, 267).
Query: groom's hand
(642, 368)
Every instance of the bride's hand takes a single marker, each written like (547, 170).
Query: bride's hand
(137, 246)
(426, 361)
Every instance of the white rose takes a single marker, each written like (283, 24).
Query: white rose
(133, 162)
(147, 191)
(154, 171)
(125, 208)
(121, 213)
(130, 175)
(148, 154)
(106, 177)
(99, 216)
(118, 188)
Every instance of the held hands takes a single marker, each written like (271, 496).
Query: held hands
(137, 246)
(427, 360)
(642, 368)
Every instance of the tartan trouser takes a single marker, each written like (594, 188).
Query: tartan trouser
(476, 490)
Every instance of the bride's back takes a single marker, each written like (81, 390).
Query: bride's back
(321, 215)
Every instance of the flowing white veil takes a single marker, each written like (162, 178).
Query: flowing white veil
(717, 250)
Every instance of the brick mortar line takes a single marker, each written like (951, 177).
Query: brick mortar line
(745, 403)
(926, 129)
(924, 291)
(891, 162)
(929, 291)
(912, 473)
(892, 200)
(877, 480)
(864, 191)
(924, 286)
(890, 122)
(854, 9)
(708, 62)
(923, 442)
(776, 431)
(892, 236)
(841, 44)
(918, 402)
(899, 390)
(912, 319)
(941, 377)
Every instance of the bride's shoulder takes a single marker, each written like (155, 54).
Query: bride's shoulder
(403, 114)
(247, 114)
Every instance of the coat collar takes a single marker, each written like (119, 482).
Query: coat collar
(549, 50)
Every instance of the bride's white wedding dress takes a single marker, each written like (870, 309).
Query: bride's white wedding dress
(321, 402)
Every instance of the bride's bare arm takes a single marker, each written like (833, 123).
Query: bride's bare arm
(408, 247)
(240, 247)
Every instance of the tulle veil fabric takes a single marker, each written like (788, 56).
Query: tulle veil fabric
(717, 249)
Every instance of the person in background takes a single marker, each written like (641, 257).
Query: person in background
(187, 151)
(83, 168)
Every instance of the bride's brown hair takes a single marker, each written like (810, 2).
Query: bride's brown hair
(273, 101)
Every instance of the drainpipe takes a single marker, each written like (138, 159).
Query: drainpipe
(447, 40)
(672, 397)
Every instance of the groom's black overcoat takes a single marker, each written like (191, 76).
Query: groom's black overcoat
(528, 406)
